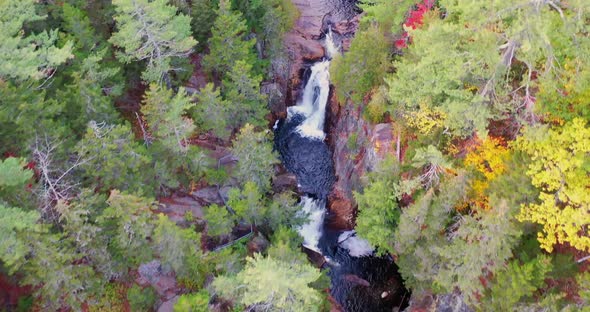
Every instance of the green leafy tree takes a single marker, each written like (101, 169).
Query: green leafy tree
(270, 284)
(256, 158)
(151, 30)
(516, 282)
(195, 302)
(227, 44)
(219, 220)
(33, 56)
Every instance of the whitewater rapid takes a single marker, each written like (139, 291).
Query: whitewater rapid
(312, 107)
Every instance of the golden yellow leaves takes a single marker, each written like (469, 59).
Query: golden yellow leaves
(560, 169)
(426, 119)
(487, 159)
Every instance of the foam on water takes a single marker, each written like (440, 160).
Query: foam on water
(356, 246)
(312, 230)
(315, 95)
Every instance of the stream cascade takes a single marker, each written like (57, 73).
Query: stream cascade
(360, 281)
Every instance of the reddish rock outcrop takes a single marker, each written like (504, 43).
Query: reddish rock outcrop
(358, 146)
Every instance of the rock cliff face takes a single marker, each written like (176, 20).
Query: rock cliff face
(357, 147)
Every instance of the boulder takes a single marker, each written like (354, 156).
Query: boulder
(176, 207)
(276, 97)
(168, 306)
(257, 244)
(284, 182)
(153, 274)
(425, 301)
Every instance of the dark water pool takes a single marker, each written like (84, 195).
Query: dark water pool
(358, 284)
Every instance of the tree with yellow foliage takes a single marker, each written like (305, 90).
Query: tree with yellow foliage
(559, 168)
(487, 160)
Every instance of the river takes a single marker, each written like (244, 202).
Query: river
(360, 281)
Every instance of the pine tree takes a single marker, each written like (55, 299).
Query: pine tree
(242, 89)
(13, 222)
(33, 56)
(270, 284)
(378, 210)
(255, 157)
(203, 14)
(114, 158)
(211, 111)
(165, 113)
(367, 61)
(179, 249)
(248, 203)
(516, 282)
(219, 220)
(127, 223)
(227, 44)
(151, 30)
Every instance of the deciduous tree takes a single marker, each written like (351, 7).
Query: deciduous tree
(559, 169)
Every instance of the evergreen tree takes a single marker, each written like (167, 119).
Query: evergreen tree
(219, 220)
(255, 157)
(151, 30)
(33, 56)
(242, 90)
(127, 223)
(270, 284)
(179, 249)
(211, 111)
(516, 282)
(203, 14)
(227, 44)
(378, 211)
(165, 113)
(367, 61)
(114, 159)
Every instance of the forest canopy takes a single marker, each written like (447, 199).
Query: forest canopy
(136, 151)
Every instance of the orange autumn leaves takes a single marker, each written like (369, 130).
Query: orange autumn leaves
(487, 160)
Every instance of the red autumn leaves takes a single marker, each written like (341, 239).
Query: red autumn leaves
(414, 20)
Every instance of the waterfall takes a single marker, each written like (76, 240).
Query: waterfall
(312, 230)
(312, 106)
(316, 94)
